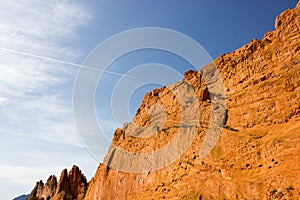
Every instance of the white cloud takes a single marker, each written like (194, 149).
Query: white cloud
(35, 95)
(58, 18)
(37, 136)
(37, 133)
(27, 175)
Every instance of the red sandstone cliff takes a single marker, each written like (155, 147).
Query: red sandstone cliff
(257, 154)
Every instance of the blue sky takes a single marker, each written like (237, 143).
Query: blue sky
(37, 131)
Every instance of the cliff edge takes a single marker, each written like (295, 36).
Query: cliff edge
(257, 155)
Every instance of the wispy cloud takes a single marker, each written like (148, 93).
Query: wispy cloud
(35, 95)
(36, 123)
(27, 175)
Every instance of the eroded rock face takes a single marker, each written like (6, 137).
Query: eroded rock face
(257, 155)
(70, 186)
(78, 183)
(44, 191)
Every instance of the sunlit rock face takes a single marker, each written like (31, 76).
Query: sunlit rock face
(255, 155)
(72, 185)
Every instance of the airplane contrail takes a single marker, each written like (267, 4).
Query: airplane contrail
(62, 62)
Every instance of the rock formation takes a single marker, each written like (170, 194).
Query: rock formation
(44, 191)
(70, 186)
(255, 157)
